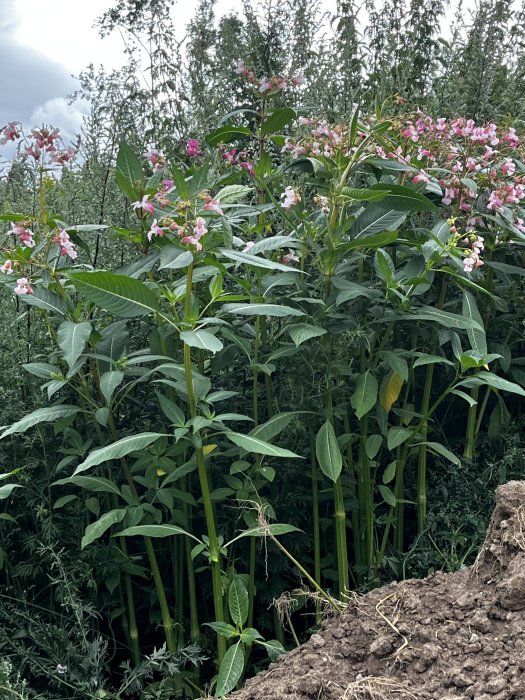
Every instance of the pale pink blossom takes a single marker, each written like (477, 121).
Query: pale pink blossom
(290, 198)
(508, 167)
(520, 225)
(213, 205)
(67, 246)
(304, 121)
(25, 235)
(297, 79)
(265, 85)
(249, 167)
(10, 132)
(420, 177)
(192, 240)
(229, 156)
(155, 230)
(495, 202)
(7, 267)
(23, 287)
(248, 247)
(290, 257)
(144, 204)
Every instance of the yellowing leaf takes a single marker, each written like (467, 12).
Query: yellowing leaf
(208, 449)
(161, 472)
(390, 389)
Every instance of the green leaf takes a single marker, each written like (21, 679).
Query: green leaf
(328, 452)
(98, 484)
(262, 310)
(390, 472)
(128, 165)
(401, 198)
(277, 119)
(364, 194)
(275, 425)
(7, 489)
(376, 218)
(374, 241)
(274, 529)
(373, 445)
(44, 299)
(258, 446)
(256, 261)
(173, 258)
(227, 133)
(397, 436)
(171, 410)
(424, 359)
(387, 495)
(465, 397)
(273, 243)
(231, 194)
(396, 362)
(42, 369)
(123, 296)
(442, 450)
(273, 647)
(238, 602)
(230, 670)
(98, 528)
(155, 531)
(250, 635)
(444, 318)
(365, 395)
(301, 332)
(223, 628)
(202, 339)
(119, 449)
(72, 339)
(496, 382)
(48, 414)
(476, 336)
(109, 381)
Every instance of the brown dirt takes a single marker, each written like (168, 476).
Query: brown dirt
(449, 636)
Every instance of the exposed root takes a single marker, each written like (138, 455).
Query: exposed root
(390, 623)
(375, 688)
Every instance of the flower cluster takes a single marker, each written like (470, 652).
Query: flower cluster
(23, 287)
(10, 132)
(67, 247)
(193, 148)
(41, 144)
(289, 198)
(265, 85)
(24, 233)
(156, 159)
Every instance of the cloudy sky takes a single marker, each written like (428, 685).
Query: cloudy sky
(44, 42)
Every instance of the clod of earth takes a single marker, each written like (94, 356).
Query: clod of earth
(457, 636)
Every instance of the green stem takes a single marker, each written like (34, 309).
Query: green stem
(204, 484)
(316, 525)
(470, 435)
(358, 554)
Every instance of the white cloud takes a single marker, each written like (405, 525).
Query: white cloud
(57, 112)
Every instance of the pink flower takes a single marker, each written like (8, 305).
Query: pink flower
(511, 138)
(240, 68)
(155, 230)
(495, 202)
(290, 198)
(33, 152)
(192, 240)
(213, 206)
(167, 185)
(265, 85)
(298, 79)
(508, 167)
(10, 132)
(249, 167)
(304, 121)
(409, 132)
(25, 235)
(520, 225)
(289, 257)
(450, 194)
(248, 247)
(421, 177)
(7, 267)
(23, 287)
(62, 157)
(67, 246)
(193, 148)
(144, 204)
(229, 156)
(200, 227)
(153, 156)
(45, 138)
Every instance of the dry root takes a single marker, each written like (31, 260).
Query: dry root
(375, 688)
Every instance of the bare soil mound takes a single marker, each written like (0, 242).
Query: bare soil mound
(459, 635)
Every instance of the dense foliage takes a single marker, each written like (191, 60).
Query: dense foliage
(258, 354)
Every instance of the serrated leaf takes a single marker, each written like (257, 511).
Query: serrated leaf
(41, 415)
(72, 339)
(231, 194)
(109, 381)
(301, 332)
(230, 670)
(224, 629)
(262, 310)
(44, 299)
(238, 602)
(202, 339)
(364, 397)
(402, 198)
(328, 452)
(155, 531)
(376, 218)
(476, 336)
(119, 449)
(99, 527)
(258, 446)
(123, 296)
(256, 261)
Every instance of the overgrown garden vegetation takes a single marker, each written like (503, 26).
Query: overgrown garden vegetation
(262, 337)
